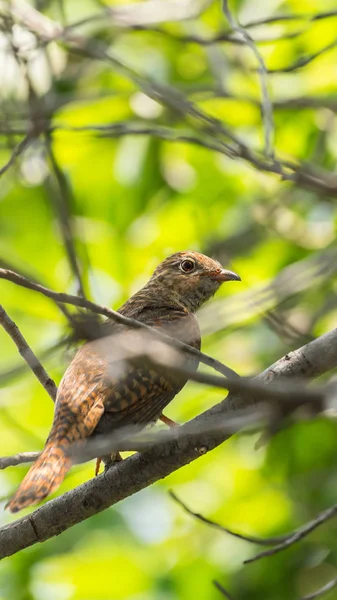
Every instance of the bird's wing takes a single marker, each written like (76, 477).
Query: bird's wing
(93, 386)
(144, 390)
(139, 397)
(80, 399)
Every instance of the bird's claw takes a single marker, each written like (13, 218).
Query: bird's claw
(108, 460)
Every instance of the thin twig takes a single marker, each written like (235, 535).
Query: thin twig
(322, 591)
(304, 176)
(21, 368)
(142, 347)
(304, 60)
(19, 148)
(297, 535)
(18, 459)
(62, 201)
(266, 105)
(247, 538)
(279, 543)
(223, 591)
(117, 317)
(27, 353)
(115, 15)
(291, 17)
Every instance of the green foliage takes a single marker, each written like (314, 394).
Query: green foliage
(133, 199)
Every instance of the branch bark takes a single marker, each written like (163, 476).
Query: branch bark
(141, 470)
(98, 309)
(27, 353)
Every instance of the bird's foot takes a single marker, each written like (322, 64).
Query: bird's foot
(171, 424)
(168, 422)
(98, 465)
(108, 460)
(111, 460)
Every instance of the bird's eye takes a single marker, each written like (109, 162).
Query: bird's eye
(187, 265)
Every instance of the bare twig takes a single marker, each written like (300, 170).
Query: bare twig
(247, 538)
(142, 346)
(223, 591)
(18, 459)
(62, 201)
(266, 105)
(132, 18)
(305, 176)
(293, 279)
(27, 353)
(291, 17)
(21, 367)
(304, 60)
(279, 543)
(322, 591)
(61, 297)
(297, 535)
(19, 149)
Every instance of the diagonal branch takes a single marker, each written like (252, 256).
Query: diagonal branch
(62, 200)
(141, 470)
(241, 536)
(322, 591)
(297, 535)
(223, 591)
(18, 149)
(279, 543)
(27, 353)
(61, 297)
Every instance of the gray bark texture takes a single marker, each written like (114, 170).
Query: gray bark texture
(143, 469)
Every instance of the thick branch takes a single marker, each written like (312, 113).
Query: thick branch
(141, 470)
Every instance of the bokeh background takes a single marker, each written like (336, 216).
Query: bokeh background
(82, 178)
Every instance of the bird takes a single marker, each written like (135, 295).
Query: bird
(93, 398)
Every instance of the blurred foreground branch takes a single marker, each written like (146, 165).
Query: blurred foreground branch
(141, 470)
(61, 297)
(322, 591)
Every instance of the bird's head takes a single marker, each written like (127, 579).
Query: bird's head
(191, 278)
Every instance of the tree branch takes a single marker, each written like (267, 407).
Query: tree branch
(62, 200)
(266, 105)
(298, 535)
(222, 590)
(27, 353)
(18, 459)
(141, 470)
(279, 543)
(18, 149)
(61, 297)
(241, 536)
(322, 591)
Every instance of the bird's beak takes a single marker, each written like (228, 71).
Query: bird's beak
(224, 275)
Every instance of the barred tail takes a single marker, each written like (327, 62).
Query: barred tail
(43, 478)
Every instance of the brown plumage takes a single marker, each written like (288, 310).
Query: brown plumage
(94, 398)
